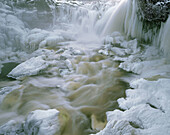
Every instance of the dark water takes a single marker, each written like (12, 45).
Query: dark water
(7, 67)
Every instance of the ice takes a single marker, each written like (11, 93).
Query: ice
(155, 93)
(42, 122)
(12, 29)
(30, 67)
(147, 68)
(53, 42)
(116, 45)
(11, 128)
(141, 119)
(118, 127)
(38, 122)
(146, 107)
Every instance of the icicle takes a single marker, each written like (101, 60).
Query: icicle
(124, 18)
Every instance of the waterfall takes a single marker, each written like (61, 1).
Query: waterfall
(165, 39)
(124, 18)
(65, 64)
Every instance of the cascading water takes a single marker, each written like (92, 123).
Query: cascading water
(126, 19)
(65, 64)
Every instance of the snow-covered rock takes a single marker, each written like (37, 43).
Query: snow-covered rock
(146, 106)
(118, 127)
(11, 128)
(155, 93)
(118, 46)
(38, 122)
(30, 67)
(141, 120)
(42, 122)
(146, 110)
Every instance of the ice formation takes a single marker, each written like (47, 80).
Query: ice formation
(146, 103)
(42, 122)
(39, 122)
(30, 67)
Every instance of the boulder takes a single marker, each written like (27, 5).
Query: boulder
(154, 10)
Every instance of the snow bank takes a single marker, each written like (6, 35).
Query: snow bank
(146, 110)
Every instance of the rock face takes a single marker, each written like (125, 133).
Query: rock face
(154, 10)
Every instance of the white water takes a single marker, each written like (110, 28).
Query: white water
(124, 19)
(68, 53)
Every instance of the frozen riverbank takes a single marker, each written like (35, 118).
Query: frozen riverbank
(82, 68)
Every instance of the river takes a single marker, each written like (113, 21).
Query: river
(93, 66)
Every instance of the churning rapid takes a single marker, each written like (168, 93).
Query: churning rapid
(83, 67)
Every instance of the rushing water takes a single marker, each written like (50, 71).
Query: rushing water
(76, 68)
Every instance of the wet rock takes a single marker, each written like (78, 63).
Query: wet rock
(154, 10)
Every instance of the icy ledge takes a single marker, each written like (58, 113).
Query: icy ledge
(38, 122)
(30, 67)
(147, 108)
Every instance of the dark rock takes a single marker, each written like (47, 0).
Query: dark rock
(155, 11)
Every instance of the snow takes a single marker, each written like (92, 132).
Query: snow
(146, 108)
(11, 128)
(30, 67)
(42, 122)
(12, 29)
(38, 122)
(148, 120)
